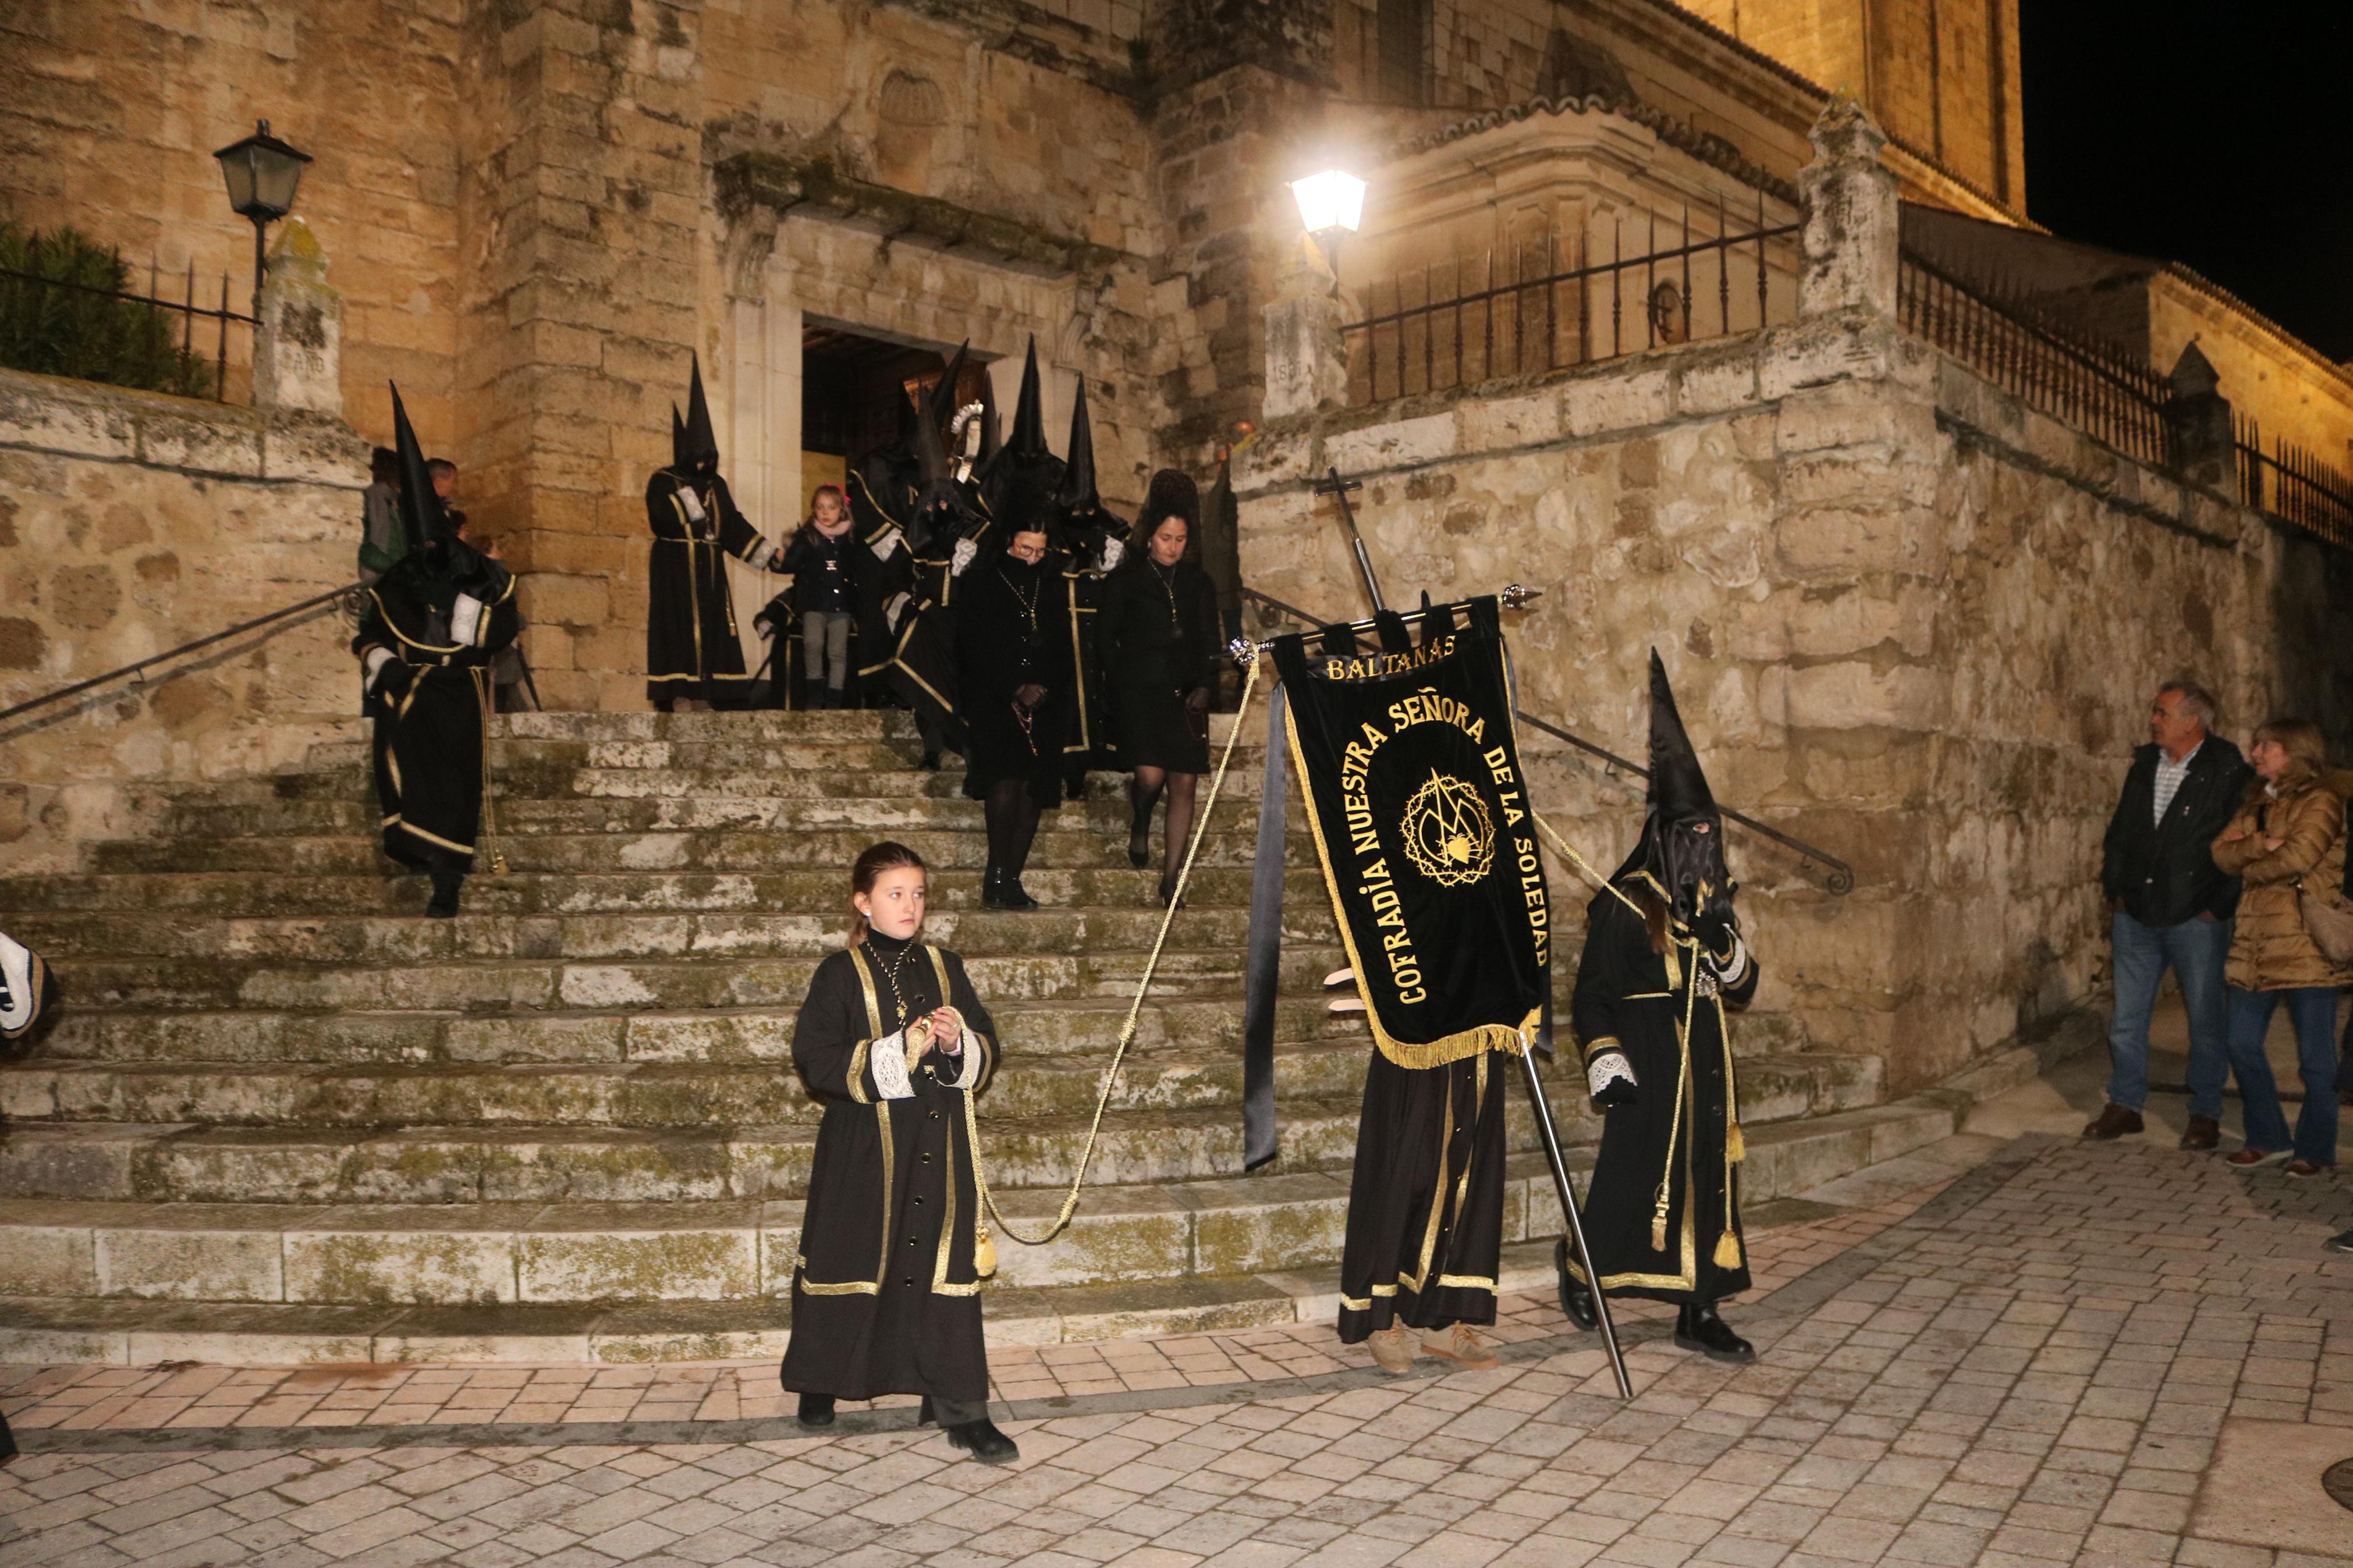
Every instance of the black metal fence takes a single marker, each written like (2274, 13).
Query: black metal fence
(2293, 485)
(70, 326)
(2096, 389)
(1543, 305)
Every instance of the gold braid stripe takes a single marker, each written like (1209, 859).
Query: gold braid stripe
(1134, 1009)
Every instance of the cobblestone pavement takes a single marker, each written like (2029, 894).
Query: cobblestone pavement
(2039, 1365)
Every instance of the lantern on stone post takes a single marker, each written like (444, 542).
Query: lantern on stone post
(1332, 206)
(263, 175)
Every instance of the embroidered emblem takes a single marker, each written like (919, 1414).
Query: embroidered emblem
(1449, 835)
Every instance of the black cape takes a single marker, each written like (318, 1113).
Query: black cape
(885, 1299)
(1013, 629)
(691, 649)
(1678, 1144)
(1157, 633)
(428, 705)
(1426, 1200)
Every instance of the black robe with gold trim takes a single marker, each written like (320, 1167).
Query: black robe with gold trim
(1426, 1200)
(885, 1299)
(691, 649)
(1662, 1212)
(428, 703)
(1013, 629)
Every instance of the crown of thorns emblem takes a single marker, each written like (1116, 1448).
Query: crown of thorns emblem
(1449, 835)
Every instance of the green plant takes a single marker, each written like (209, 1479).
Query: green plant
(62, 313)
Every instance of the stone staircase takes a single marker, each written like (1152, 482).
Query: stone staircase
(283, 1118)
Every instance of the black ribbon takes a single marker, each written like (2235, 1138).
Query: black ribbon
(1260, 1142)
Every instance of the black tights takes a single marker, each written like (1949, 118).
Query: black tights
(1012, 823)
(1144, 792)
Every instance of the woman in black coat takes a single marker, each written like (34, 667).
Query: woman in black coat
(1158, 634)
(1015, 690)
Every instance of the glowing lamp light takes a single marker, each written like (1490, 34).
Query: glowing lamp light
(1330, 204)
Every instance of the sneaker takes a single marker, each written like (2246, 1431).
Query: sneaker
(1459, 1345)
(2304, 1170)
(2202, 1135)
(2341, 1242)
(2247, 1158)
(1393, 1347)
(2114, 1121)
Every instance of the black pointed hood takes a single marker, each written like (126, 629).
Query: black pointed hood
(1028, 437)
(940, 509)
(1077, 490)
(699, 443)
(942, 402)
(678, 458)
(1682, 839)
(423, 518)
(991, 438)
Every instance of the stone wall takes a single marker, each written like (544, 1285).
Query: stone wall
(131, 523)
(1909, 619)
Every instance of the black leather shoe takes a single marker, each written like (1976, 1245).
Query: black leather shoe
(1576, 1300)
(444, 905)
(1697, 1327)
(993, 895)
(983, 1442)
(817, 1410)
(1016, 896)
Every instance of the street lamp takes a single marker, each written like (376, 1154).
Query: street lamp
(1330, 204)
(263, 174)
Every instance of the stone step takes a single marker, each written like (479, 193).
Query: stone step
(527, 984)
(672, 810)
(1033, 1028)
(243, 1284)
(382, 890)
(387, 939)
(700, 850)
(703, 1095)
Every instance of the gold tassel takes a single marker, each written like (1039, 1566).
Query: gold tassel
(1735, 1147)
(1659, 1230)
(1728, 1251)
(983, 1250)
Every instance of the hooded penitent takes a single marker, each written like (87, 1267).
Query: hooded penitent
(1080, 520)
(434, 546)
(1217, 543)
(1172, 493)
(940, 509)
(1017, 487)
(1682, 837)
(693, 444)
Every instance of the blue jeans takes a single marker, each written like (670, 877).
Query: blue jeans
(2312, 1010)
(2195, 949)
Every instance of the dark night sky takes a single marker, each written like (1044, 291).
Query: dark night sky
(2214, 134)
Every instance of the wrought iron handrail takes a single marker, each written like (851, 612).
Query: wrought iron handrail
(1838, 875)
(79, 687)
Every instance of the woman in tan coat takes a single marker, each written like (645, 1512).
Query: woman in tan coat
(2290, 830)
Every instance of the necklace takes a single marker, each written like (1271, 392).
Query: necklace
(1029, 602)
(890, 972)
(1168, 586)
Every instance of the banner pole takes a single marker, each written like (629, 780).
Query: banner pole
(1263, 980)
(1576, 1225)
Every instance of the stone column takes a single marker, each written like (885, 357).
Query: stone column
(1306, 363)
(1851, 225)
(297, 345)
(2205, 449)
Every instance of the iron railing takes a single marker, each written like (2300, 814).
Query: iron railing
(1465, 323)
(350, 591)
(2293, 485)
(24, 294)
(1838, 877)
(2096, 389)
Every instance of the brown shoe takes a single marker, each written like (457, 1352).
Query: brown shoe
(1459, 1345)
(2304, 1170)
(1393, 1347)
(2203, 1134)
(2114, 1121)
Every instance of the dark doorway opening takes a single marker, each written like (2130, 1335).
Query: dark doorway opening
(853, 384)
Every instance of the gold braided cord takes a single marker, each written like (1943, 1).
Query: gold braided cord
(490, 827)
(1134, 1009)
(1568, 852)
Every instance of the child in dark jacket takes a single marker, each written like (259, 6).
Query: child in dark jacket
(821, 561)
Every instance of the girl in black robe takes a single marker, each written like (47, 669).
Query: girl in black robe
(886, 1287)
(1158, 633)
(1016, 691)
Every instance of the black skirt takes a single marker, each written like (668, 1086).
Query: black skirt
(1154, 730)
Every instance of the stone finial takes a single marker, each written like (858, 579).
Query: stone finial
(1306, 363)
(297, 343)
(2197, 419)
(1850, 238)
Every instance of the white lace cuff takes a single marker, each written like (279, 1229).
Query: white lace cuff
(465, 620)
(1733, 968)
(19, 993)
(888, 1057)
(692, 503)
(377, 657)
(964, 552)
(1115, 551)
(1609, 1068)
(886, 544)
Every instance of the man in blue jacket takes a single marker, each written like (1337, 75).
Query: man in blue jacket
(2171, 906)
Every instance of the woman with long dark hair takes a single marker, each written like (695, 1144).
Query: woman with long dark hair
(1158, 633)
(1017, 694)
(886, 1288)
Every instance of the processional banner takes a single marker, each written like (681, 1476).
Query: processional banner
(1411, 773)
